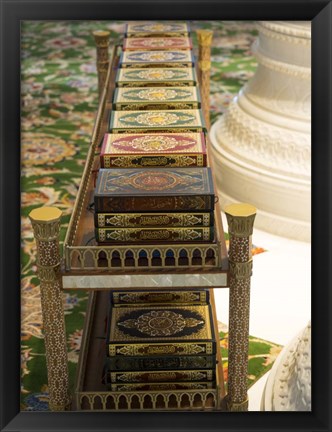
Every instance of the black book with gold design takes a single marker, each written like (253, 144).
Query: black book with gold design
(154, 190)
(152, 363)
(172, 330)
(162, 386)
(149, 298)
(152, 235)
(161, 376)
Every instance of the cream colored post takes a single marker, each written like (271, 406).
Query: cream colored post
(240, 218)
(102, 43)
(204, 38)
(46, 226)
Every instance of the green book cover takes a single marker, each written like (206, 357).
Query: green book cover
(156, 98)
(164, 121)
(162, 58)
(144, 77)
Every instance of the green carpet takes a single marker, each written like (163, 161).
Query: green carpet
(59, 102)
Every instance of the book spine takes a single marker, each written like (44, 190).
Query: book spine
(143, 129)
(158, 203)
(166, 376)
(148, 220)
(155, 84)
(158, 349)
(162, 386)
(131, 106)
(160, 363)
(164, 34)
(178, 297)
(176, 161)
(138, 235)
(156, 65)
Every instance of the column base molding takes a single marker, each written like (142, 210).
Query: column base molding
(236, 407)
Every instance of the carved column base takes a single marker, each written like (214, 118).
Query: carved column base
(261, 147)
(236, 407)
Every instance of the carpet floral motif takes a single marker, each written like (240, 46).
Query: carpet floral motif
(58, 105)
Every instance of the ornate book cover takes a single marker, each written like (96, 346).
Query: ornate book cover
(160, 363)
(132, 220)
(161, 77)
(157, 43)
(156, 98)
(159, 189)
(153, 29)
(151, 150)
(175, 330)
(161, 386)
(163, 376)
(161, 58)
(173, 121)
(152, 235)
(138, 298)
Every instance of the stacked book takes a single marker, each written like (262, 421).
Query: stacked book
(154, 205)
(160, 341)
(154, 185)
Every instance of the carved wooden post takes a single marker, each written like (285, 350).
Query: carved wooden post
(240, 218)
(46, 226)
(204, 66)
(102, 44)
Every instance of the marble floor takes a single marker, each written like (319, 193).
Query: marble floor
(280, 303)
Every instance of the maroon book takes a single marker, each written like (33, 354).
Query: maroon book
(153, 150)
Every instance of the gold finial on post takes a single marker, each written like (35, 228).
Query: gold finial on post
(204, 38)
(102, 43)
(46, 226)
(240, 218)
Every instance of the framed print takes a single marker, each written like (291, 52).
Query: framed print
(183, 333)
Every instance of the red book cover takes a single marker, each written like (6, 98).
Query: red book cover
(157, 43)
(154, 150)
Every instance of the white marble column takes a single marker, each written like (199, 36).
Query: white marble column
(261, 146)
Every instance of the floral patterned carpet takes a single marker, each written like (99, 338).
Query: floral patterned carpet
(59, 102)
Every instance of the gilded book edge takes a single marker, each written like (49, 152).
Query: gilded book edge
(126, 364)
(152, 235)
(162, 386)
(150, 220)
(161, 376)
(152, 298)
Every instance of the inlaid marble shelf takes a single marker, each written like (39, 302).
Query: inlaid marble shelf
(89, 266)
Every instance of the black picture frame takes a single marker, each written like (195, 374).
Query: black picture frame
(12, 12)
